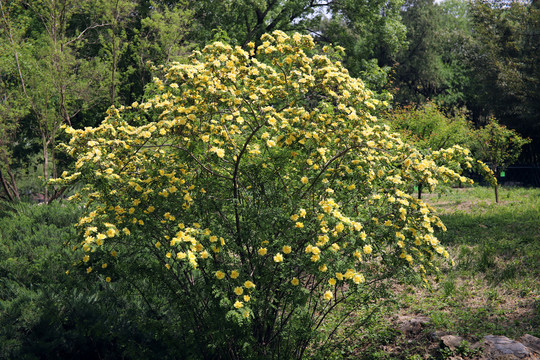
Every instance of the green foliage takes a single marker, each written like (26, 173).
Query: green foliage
(433, 67)
(429, 127)
(372, 34)
(498, 146)
(431, 130)
(67, 62)
(505, 63)
(47, 311)
(418, 76)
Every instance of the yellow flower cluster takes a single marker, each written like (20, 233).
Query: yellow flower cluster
(272, 149)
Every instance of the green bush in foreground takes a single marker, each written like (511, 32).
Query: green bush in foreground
(45, 314)
(257, 193)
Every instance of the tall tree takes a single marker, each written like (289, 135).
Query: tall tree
(419, 65)
(505, 63)
(12, 106)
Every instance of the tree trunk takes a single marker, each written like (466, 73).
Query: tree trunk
(420, 191)
(11, 190)
(45, 169)
(497, 193)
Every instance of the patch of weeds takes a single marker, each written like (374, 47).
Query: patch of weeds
(463, 350)
(486, 260)
(449, 286)
(441, 320)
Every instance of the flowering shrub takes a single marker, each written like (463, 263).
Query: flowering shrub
(263, 188)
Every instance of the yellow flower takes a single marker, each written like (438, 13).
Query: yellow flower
(108, 279)
(278, 257)
(299, 225)
(238, 304)
(110, 233)
(150, 209)
(332, 281)
(86, 258)
(234, 274)
(219, 152)
(328, 296)
(295, 281)
(248, 285)
(262, 251)
(113, 253)
(367, 249)
(220, 274)
(104, 266)
(358, 278)
(287, 249)
(304, 180)
(247, 298)
(88, 269)
(238, 290)
(323, 268)
(158, 244)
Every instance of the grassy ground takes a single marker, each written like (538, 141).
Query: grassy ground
(493, 289)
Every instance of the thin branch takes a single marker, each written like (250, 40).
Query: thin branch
(85, 30)
(14, 50)
(192, 156)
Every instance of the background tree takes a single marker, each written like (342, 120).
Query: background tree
(430, 129)
(418, 75)
(71, 60)
(503, 58)
(433, 67)
(13, 108)
(371, 32)
(499, 147)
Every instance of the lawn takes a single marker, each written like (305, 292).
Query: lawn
(494, 288)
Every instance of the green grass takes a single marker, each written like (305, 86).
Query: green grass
(494, 287)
